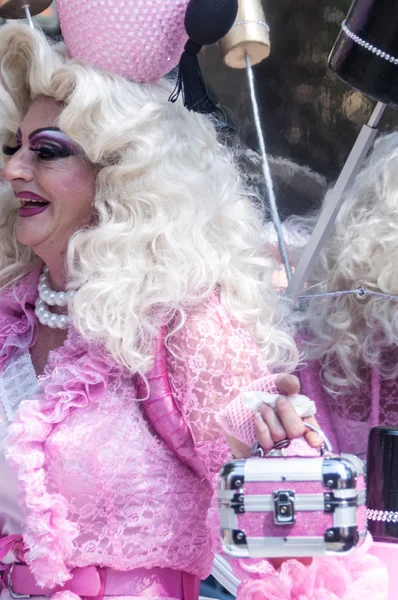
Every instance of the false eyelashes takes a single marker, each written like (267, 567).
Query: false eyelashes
(43, 151)
(10, 150)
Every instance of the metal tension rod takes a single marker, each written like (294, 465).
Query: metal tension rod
(327, 217)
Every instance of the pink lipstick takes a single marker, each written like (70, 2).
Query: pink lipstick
(29, 211)
(31, 204)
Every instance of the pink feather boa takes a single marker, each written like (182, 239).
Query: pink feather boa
(358, 576)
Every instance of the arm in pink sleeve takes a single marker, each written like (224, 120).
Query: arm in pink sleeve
(217, 358)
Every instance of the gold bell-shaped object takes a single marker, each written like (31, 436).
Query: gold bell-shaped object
(249, 36)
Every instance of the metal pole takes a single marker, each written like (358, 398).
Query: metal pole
(327, 217)
(266, 172)
(29, 16)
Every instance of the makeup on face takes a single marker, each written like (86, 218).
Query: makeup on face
(49, 144)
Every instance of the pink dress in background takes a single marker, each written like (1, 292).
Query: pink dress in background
(349, 416)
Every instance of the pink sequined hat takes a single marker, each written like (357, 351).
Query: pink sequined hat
(143, 40)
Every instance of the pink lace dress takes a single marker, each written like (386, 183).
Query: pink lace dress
(352, 414)
(96, 486)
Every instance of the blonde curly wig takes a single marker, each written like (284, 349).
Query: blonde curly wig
(174, 222)
(349, 332)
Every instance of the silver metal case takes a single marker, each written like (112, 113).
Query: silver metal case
(292, 506)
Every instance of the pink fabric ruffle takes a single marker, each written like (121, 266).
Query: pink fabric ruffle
(48, 534)
(358, 576)
(18, 324)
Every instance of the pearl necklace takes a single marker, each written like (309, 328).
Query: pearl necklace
(48, 297)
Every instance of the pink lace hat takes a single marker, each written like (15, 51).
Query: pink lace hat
(143, 40)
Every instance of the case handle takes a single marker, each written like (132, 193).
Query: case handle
(257, 450)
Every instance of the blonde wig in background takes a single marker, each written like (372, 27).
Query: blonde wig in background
(349, 332)
(174, 223)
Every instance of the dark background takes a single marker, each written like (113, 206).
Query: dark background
(309, 117)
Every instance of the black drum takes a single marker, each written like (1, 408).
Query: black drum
(365, 54)
(382, 484)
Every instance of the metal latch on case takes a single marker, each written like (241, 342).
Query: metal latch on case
(238, 503)
(284, 513)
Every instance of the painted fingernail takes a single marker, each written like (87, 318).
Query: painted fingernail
(259, 417)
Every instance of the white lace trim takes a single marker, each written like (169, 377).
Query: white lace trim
(17, 382)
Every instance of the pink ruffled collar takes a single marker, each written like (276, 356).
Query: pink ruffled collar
(48, 534)
(86, 371)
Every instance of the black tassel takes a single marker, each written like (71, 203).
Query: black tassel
(190, 82)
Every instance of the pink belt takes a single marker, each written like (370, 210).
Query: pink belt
(96, 582)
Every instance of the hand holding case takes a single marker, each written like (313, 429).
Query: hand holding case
(292, 506)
